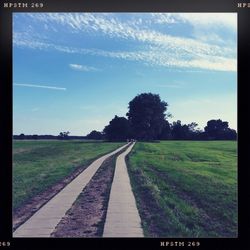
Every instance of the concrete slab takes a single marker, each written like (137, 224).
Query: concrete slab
(122, 218)
(44, 221)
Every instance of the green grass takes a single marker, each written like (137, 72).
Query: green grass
(186, 188)
(38, 165)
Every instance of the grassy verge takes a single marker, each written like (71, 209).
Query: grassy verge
(186, 188)
(37, 165)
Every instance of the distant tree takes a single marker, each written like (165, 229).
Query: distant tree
(192, 127)
(147, 116)
(22, 136)
(179, 131)
(64, 135)
(231, 134)
(118, 129)
(34, 137)
(219, 130)
(166, 132)
(184, 131)
(194, 132)
(95, 135)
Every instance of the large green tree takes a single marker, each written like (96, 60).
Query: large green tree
(118, 129)
(147, 116)
(219, 130)
(95, 135)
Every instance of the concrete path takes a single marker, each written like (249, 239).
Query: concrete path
(44, 221)
(122, 218)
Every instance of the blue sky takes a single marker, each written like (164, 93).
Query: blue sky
(76, 71)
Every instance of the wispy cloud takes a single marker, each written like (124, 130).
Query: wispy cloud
(113, 27)
(151, 57)
(82, 67)
(157, 49)
(226, 20)
(205, 26)
(39, 86)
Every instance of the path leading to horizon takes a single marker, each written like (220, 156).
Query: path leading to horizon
(45, 220)
(122, 218)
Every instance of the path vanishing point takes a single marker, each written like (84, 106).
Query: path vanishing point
(122, 218)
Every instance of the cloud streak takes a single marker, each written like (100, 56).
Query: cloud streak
(84, 68)
(39, 86)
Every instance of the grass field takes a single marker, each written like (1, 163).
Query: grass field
(38, 165)
(186, 188)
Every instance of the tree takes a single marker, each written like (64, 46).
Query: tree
(185, 131)
(215, 129)
(193, 132)
(95, 135)
(22, 136)
(34, 137)
(219, 130)
(147, 116)
(64, 135)
(179, 131)
(166, 132)
(231, 134)
(118, 129)
(192, 127)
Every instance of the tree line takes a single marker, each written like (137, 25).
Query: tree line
(61, 136)
(147, 120)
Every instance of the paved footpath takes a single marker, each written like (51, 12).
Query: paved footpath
(122, 218)
(44, 221)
